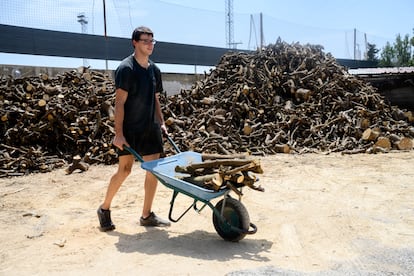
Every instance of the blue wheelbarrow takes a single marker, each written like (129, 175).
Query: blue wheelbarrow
(230, 217)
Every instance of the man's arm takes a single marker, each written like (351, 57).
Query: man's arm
(158, 113)
(120, 98)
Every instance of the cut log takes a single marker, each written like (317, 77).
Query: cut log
(77, 165)
(41, 103)
(4, 118)
(211, 164)
(172, 121)
(370, 134)
(383, 142)
(365, 123)
(404, 144)
(410, 116)
(250, 181)
(109, 109)
(235, 178)
(247, 129)
(215, 178)
(213, 181)
(253, 166)
(302, 94)
(282, 148)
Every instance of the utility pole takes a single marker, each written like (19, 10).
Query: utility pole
(82, 19)
(104, 15)
(366, 47)
(354, 44)
(261, 32)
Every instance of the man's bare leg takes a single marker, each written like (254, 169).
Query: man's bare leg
(150, 187)
(124, 169)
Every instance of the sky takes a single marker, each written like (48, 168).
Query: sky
(330, 23)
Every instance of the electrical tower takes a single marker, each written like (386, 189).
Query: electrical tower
(83, 20)
(230, 25)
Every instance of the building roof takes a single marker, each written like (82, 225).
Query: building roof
(382, 71)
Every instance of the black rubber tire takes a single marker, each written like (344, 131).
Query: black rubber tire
(236, 215)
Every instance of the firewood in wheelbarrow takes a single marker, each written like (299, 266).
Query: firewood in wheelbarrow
(250, 181)
(77, 164)
(235, 164)
(234, 189)
(209, 181)
(253, 166)
(237, 177)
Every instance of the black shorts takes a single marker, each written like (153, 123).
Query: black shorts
(145, 143)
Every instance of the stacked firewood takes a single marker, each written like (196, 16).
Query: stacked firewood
(285, 98)
(223, 171)
(47, 122)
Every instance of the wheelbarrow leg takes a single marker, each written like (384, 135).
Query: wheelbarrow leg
(174, 196)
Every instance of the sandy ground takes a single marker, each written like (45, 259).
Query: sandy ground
(320, 214)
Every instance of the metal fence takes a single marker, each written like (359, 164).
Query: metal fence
(21, 40)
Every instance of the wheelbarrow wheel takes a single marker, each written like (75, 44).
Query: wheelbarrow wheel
(236, 218)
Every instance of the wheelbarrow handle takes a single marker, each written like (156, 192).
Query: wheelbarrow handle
(139, 157)
(172, 143)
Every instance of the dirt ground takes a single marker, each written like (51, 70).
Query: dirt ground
(320, 214)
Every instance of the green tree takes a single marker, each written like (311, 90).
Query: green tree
(412, 45)
(412, 39)
(398, 54)
(387, 56)
(372, 52)
(402, 49)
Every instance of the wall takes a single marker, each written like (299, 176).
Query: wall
(172, 82)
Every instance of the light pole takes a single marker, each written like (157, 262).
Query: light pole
(83, 20)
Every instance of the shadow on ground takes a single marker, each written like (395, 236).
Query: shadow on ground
(197, 244)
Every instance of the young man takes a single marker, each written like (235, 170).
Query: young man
(138, 124)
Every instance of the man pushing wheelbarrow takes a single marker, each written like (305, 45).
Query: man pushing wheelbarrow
(138, 124)
(138, 134)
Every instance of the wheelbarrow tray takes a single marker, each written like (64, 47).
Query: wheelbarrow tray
(164, 170)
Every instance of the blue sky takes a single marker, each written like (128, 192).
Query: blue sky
(328, 23)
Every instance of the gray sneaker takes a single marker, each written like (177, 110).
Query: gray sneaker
(153, 220)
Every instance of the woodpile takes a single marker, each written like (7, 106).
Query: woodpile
(47, 122)
(285, 98)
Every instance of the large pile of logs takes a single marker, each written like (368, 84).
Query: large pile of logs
(285, 98)
(46, 121)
